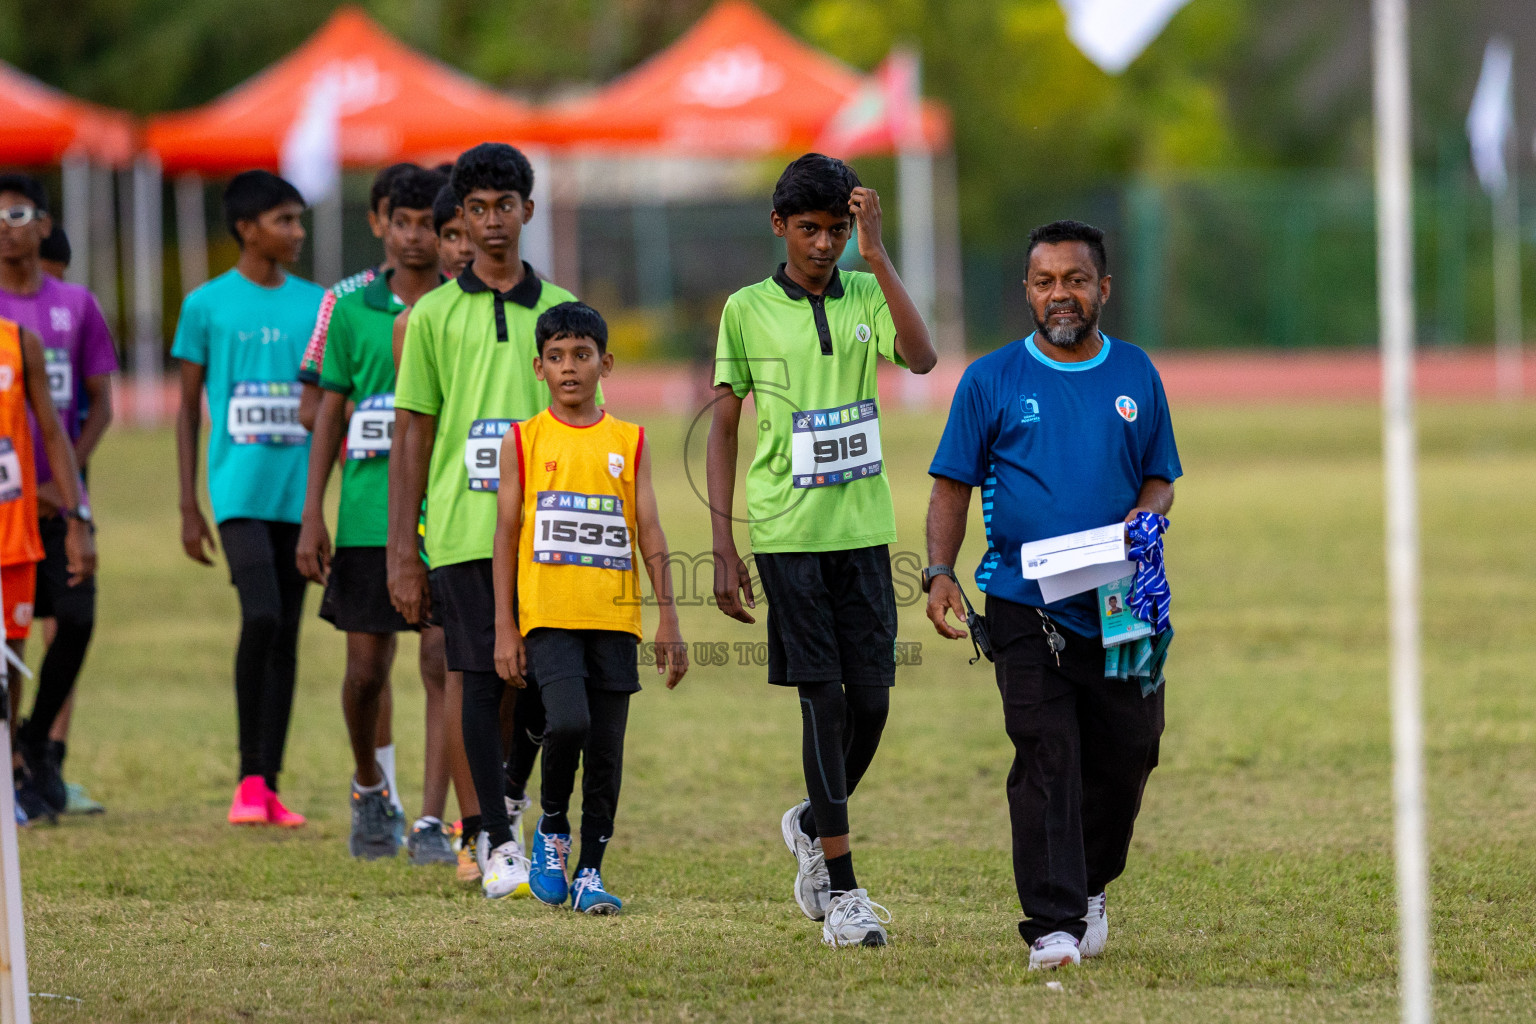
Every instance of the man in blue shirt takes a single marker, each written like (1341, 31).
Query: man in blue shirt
(1064, 431)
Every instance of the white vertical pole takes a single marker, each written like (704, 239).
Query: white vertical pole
(77, 217)
(1394, 235)
(15, 1005)
(1506, 288)
(103, 267)
(538, 239)
(328, 230)
(148, 255)
(191, 231)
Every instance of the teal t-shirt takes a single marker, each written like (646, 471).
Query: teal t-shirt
(249, 340)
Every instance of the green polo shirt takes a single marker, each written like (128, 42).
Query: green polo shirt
(359, 364)
(817, 482)
(468, 360)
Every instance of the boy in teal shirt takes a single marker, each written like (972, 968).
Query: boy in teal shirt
(240, 337)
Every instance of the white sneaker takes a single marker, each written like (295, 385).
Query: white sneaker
(853, 919)
(1097, 934)
(483, 851)
(515, 811)
(813, 886)
(1054, 950)
(505, 872)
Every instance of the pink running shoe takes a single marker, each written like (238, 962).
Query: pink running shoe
(281, 816)
(249, 807)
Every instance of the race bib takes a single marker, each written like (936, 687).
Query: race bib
(61, 376)
(371, 431)
(10, 472)
(581, 529)
(266, 412)
(482, 453)
(834, 446)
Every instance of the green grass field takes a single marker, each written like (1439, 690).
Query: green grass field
(1260, 882)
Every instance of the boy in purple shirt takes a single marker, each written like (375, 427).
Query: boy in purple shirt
(80, 359)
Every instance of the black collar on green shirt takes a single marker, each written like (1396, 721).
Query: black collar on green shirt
(525, 293)
(378, 293)
(818, 302)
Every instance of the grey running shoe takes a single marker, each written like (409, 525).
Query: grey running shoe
(373, 825)
(813, 886)
(1097, 920)
(80, 800)
(429, 844)
(853, 919)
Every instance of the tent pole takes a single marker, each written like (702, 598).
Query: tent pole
(538, 239)
(1394, 234)
(949, 299)
(15, 1005)
(148, 257)
(103, 267)
(77, 217)
(191, 231)
(328, 228)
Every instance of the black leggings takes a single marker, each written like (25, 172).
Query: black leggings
(584, 727)
(527, 737)
(73, 609)
(482, 748)
(840, 733)
(261, 566)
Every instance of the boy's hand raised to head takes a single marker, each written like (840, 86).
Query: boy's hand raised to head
(864, 204)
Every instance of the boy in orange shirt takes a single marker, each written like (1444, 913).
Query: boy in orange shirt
(576, 497)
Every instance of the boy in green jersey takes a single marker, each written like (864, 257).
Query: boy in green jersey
(466, 374)
(805, 343)
(359, 370)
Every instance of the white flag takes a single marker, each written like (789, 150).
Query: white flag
(311, 152)
(1492, 117)
(1112, 33)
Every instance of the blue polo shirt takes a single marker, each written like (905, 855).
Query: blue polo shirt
(1055, 448)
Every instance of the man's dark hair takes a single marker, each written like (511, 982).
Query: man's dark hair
(415, 189)
(445, 168)
(1070, 231)
(384, 181)
(56, 246)
(571, 320)
(444, 208)
(25, 184)
(495, 166)
(250, 194)
(815, 184)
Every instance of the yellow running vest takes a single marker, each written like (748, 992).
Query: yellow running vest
(577, 556)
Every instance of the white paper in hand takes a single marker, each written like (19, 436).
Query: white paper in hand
(1075, 562)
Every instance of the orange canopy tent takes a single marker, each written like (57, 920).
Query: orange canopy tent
(45, 126)
(395, 104)
(736, 84)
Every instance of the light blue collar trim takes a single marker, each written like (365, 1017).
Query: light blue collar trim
(1089, 364)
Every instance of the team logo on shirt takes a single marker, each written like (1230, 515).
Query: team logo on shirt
(1030, 408)
(7, 378)
(22, 614)
(59, 317)
(1125, 405)
(615, 464)
(862, 333)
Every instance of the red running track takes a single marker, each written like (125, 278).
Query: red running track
(1190, 378)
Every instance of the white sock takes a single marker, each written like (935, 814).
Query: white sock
(385, 756)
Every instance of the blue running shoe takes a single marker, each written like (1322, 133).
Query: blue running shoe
(589, 897)
(546, 875)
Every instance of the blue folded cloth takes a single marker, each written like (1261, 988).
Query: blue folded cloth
(1149, 600)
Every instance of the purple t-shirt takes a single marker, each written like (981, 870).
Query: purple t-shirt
(76, 345)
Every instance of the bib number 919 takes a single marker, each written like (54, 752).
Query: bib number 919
(840, 449)
(482, 453)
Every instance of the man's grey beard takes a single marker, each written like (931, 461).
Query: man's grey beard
(1067, 337)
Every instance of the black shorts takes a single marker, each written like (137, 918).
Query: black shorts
(356, 598)
(831, 616)
(55, 597)
(605, 658)
(464, 601)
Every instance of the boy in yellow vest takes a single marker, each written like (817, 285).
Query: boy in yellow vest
(574, 502)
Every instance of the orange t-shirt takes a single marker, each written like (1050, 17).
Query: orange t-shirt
(19, 539)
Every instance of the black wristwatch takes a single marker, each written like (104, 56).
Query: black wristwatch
(933, 571)
(81, 512)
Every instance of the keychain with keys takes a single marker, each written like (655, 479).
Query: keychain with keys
(1054, 640)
